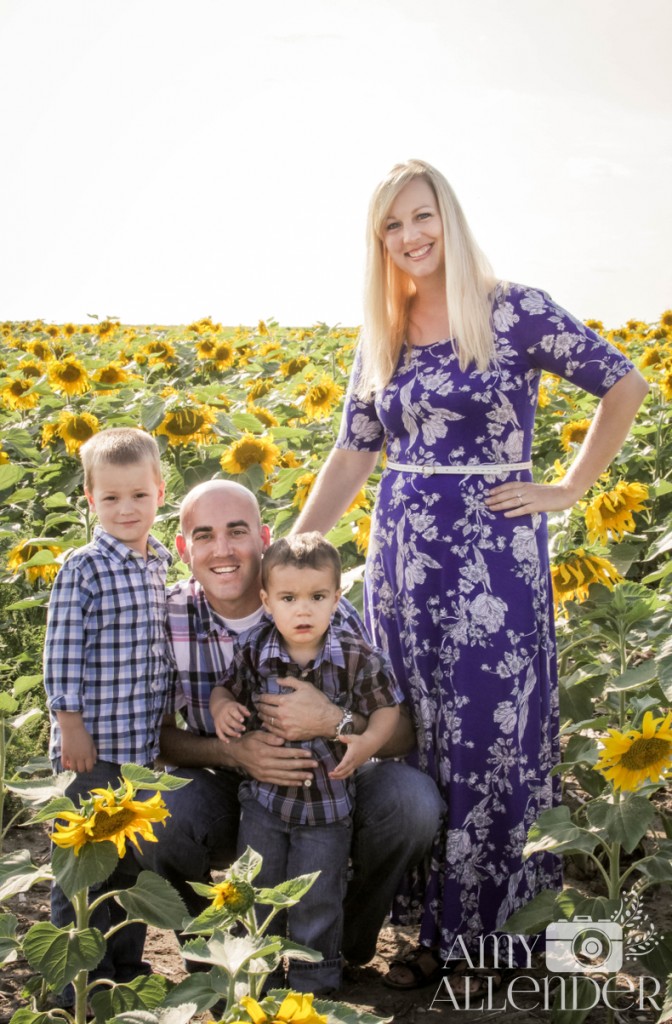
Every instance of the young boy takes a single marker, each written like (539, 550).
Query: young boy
(302, 829)
(105, 662)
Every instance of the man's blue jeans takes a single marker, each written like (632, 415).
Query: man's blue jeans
(122, 960)
(317, 920)
(397, 812)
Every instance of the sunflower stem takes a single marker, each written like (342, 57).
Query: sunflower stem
(605, 874)
(623, 656)
(80, 981)
(3, 760)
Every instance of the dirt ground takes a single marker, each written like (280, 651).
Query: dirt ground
(430, 1005)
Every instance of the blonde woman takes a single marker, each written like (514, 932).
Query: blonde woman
(457, 577)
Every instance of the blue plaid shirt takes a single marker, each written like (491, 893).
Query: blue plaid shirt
(351, 673)
(105, 649)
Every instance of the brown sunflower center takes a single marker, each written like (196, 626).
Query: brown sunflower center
(184, 422)
(19, 387)
(645, 752)
(110, 376)
(320, 394)
(78, 429)
(106, 825)
(248, 453)
(296, 365)
(70, 374)
(222, 352)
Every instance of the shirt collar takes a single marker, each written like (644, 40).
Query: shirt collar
(121, 552)
(331, 651)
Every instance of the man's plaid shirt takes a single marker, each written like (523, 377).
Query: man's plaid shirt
(105, 649)
(350, 672)
(202, 648)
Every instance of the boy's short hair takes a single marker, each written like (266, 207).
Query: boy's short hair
(303, 550)
(121, 446)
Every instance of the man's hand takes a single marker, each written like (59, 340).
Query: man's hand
(266, 759)
(301, 715)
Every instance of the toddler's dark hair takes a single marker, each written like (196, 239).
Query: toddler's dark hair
(303, 550)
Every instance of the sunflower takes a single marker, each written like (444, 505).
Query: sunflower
(204, 347)
(360, 500)
(630, 759)
(665, 380)
(222, 354)
(30, 369)
(652, 356)
(666, 318)
(248, 451)
(72, 428)
(110, 816)
(363, 534)
(574, 575)
(262, 328)
(295, 1008)
(269, 348)
(156, 352)
(69, 330)
(233, 894)
(188, 424)
(259, 388)
(113, 375)
(288, 460)
(294, 366)
(611, 511)
(24, 551)
(264, 416)
(105, 328)
(53, 330)
(573, 433)
(70, 376)
(18, 394)
(41, 350)
(303, 487)
(320, 399)
(635, 326)
(595, 325)
(544, 398)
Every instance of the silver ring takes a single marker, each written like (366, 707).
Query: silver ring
(272, 721)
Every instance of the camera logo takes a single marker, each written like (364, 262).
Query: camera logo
(584, 945)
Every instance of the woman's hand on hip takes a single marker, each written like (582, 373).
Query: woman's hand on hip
(523, 498)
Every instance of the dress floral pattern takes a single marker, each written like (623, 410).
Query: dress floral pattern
(460, 599)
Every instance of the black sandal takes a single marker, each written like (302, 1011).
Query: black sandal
(475, 981)
(419, 977)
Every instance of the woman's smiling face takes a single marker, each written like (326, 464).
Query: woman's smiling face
(412, 231)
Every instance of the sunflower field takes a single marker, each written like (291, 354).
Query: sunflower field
(262, 406)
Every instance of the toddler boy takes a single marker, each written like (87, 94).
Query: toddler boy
(105, 663)
(302, 829)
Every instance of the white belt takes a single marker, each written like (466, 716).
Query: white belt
(487, 469)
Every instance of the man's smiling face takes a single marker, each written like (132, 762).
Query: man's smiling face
(222, 541)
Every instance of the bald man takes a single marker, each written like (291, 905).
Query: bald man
(397, 808)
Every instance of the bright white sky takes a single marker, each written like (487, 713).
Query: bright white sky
(164, 160)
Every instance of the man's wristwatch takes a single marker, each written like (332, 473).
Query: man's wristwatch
(346, 726)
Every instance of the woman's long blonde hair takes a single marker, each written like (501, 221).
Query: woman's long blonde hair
(388, 290)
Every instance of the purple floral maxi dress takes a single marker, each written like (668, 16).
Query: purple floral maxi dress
(460, 598)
